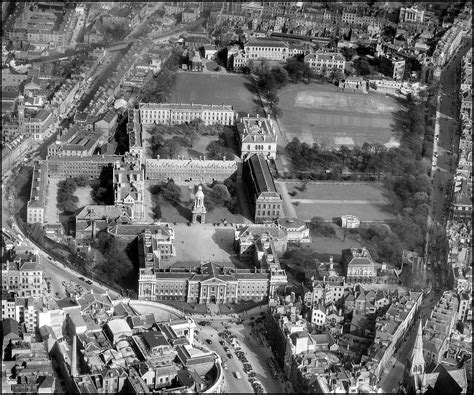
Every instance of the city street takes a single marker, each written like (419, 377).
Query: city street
(445, 150)
(256, 353)
(447, 131)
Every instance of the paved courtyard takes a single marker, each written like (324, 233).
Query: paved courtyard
(202, 242)
(52, 212)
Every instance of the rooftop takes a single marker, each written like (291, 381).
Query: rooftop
(185, 107)
(260, 171)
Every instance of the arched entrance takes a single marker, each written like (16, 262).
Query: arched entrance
(213, 299)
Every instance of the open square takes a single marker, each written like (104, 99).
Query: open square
(329, 200)
(215, 244)
(325, 115)
(233, 89)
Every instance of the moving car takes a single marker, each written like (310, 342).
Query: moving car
(237, 375)
(208, 341)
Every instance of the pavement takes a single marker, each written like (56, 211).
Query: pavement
(288, 207)
(445, 146)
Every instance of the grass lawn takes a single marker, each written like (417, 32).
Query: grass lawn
(232, 89)
(321, 113)
(332, 246)
(84, 196)
(365, 212)
(334, 199)
(336, 191)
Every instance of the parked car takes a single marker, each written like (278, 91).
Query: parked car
(229, 355)
(89, 282)
(81, 278)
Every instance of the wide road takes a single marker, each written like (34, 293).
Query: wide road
(445, 150)
(447, 131)
(256, 353)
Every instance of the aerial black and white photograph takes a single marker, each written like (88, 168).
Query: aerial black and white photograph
(253, 197)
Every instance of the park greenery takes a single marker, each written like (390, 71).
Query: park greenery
(301, 263)
(318, 226)
(102, 188)
(404, 171)
(217, 194)
(185, 136)
(220, 194)
(109, 259)
(160, 87)
(270, 79)
(66, 200)
(168, 192)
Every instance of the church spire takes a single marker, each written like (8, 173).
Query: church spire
(416, 356)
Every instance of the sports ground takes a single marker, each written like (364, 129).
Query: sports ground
(330, 200)
(323, 114)
(202, 88)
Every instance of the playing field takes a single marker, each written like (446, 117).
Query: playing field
(203, 88)
(325, 115)
(330, 200)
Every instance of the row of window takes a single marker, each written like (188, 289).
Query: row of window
(272, 49)
(258, 147)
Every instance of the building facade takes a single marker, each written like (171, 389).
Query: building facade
(325, 62)
(358, 265)
(36, 207)
(189, 169)
(257, 136)
(267, 49)
(129, 186)
(209, 283)
(178, 113)
(265, 200)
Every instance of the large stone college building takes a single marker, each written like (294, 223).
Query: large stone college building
(209, 283)
(178, 113)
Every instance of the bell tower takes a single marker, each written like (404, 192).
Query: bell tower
(21, 113)
(199, 210)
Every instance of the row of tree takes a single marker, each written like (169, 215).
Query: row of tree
(160, 87)
(109, 259)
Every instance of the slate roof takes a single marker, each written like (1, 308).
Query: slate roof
(261, 175)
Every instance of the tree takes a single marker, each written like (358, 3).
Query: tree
(319, 226)
(348, 53)
(297, 70)
(171, 192)
(156, 212)
(281, 76)
(336, 75)
(362, 66)
(170, 148)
